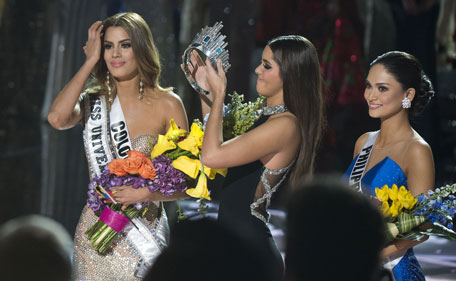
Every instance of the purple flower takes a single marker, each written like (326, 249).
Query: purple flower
(168, 180)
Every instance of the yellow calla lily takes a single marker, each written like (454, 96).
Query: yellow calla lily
(193, 141)
(211, 172)
(167, 141)
(190, 167)
(201, 188)
(162, 145)
(382, 194)
(392, 192)
(174, 133)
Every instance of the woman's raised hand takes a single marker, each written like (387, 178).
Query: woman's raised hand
(215, 79)
(92, 48)
(207, 77)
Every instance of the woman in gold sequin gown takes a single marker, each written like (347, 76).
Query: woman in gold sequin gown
(122, 57)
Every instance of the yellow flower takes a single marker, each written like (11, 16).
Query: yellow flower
(382, 194)
(392, 192)
(163, 144)
(193, 141)
(395, 208)
(385, 208)
(211, 172)
(168, 141)
(409, 201)
(190, 167)
(174, 133)
(406, 198)
(402, 194)
(201, 188)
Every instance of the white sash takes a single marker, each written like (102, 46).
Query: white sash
(119, 130)
(357, 172)
(97, 140)
(147, 242)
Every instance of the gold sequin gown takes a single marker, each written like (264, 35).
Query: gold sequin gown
(124, 262)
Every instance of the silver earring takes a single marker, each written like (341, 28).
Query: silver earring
(108, 85)
(406, 103)
(141, 89)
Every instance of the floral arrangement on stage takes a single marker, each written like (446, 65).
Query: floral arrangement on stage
(173, 166)
(412, 218)
(239, 116)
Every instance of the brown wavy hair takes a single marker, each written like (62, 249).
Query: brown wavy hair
(146, 53)
(302, 94)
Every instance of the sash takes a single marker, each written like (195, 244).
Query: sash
(97, 141)
(357, 172)
(148, 241)
(119, 130)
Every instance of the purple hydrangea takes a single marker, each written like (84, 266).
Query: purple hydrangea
(168, 180)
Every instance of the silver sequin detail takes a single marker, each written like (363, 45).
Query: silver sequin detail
(269, 191)
(276, 109)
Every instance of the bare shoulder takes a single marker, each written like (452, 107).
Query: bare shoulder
(169, 99)
(419, 165)
(418, 150)
(284, 123)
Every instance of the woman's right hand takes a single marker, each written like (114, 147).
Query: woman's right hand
(92, 48)
(215, 79)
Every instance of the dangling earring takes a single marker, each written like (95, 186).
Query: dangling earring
(406, 103)
(141, 89)
(108, 85)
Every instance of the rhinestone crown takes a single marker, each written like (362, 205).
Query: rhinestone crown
(210, 43)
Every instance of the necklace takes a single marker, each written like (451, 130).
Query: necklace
(275, 109)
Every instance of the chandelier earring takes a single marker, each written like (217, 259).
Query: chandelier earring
(141, 89)
(406, 103)
(108, 85)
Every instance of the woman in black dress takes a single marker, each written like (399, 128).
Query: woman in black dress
(280, 145)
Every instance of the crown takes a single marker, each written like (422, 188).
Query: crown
(208, 42)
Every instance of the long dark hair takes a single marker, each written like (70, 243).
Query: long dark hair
(302, 94)
(146, 53)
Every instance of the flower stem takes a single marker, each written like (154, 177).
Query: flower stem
(180, 215)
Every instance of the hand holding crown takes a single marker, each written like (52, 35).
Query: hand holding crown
(208, 45)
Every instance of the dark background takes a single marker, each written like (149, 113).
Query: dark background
(43, 170)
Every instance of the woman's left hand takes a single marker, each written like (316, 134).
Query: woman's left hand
(128, 195)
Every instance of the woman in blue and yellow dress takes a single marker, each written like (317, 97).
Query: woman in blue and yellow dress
(396, 89)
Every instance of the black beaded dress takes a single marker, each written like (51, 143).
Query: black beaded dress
(244, 200)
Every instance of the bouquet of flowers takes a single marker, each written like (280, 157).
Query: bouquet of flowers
(173, 166)
(239, 116)
(405, 214)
